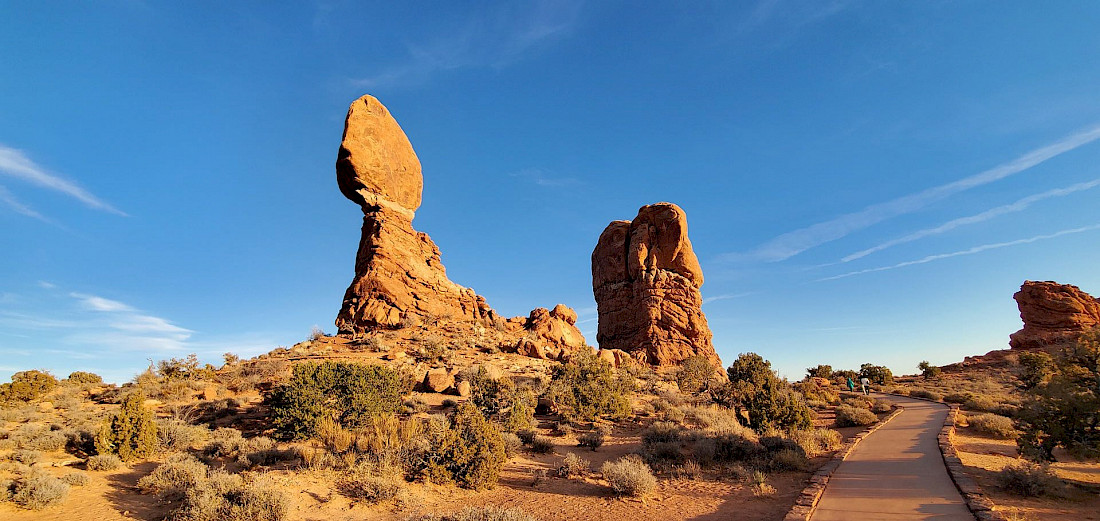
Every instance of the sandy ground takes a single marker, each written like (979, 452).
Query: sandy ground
(984, 457)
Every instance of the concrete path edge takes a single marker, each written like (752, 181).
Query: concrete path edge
(807, 500)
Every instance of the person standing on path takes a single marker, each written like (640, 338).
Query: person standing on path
(864, 382)
(851, 385)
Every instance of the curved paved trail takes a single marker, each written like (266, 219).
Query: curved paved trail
(896, 473)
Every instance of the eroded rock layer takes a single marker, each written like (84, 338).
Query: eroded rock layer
(1053, 313)
(646, 280)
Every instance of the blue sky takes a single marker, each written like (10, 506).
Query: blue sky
(864, 181)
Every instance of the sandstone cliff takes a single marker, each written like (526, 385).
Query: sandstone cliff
(646, 280)
(1053, 313)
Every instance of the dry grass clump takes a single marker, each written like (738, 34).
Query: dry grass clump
(992, 425)
(38, 437)
(372, 483)
(760, 486)
(178, 436)
(573, 465)
(36, 491)
(815, 442)
(487, 513)
(629, 476)
(852, 417)
(1030, 480)
(174, 477)
(75, 479)
(926, 394)
(103, 462)
(541, 445)
(661, 432)
(25, 456)
(226, 497)
(714, 419)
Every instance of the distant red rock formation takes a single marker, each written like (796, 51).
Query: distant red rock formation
(646, 280)
(1053, 313)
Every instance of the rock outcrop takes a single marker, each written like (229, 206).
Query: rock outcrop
(646, 280)
(1053, 313)
(398, 272)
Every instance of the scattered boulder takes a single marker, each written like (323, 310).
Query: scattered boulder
(437, 380)
(556, 327)
(646, 280)
(1053, 313)
(616, 357)
(398, 272)
(463, 388)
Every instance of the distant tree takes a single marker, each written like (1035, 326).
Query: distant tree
(84, 377)
(876, 373)
(27, 385)
(928, 370)
(1036, 368)
(695, 374)
(1062, 408)
(587, 388)
(820, 371)
(767, 400)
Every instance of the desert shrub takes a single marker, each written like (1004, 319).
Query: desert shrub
(859, 402)
(1029, 480)
(487, 513)
(6, 486)
(812, 390)
(259, 450)
(852, 417)
(25, 456)
(992, 425)
(876, 373)
(80, 442)
(926, 394)
(586, 388)
(882, 405)
(959, 398)
(573, 465)
(689, 470)
(527, 436)
(980, 403)
(75, 479)
(695, 373)
(662, 452)
(36, 437)
(103, 462)
(1062, 405)
(225, 497)
(1036, 368)
(733, 447)
(26, 386)
(131, 433)
(38, 491)
(629, 476)
(372, 483)
(415, 404)
(512, 443)
(661, 432)
(788, 459)
(541, 445)
(224, 442)
(353, 393)
(174, 477)
(178, 436)
(84, 378)
(928, 370)
(768, 401)
(820, 371)
(714, 419)
(469, 451)
(593, 439)
(816, 441)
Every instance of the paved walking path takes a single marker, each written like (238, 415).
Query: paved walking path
(896, 473)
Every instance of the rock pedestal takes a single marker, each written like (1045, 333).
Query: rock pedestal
(646, 280)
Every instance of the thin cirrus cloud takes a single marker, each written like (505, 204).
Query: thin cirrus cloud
(795, 242)
(1017, 206)
(969, 251)
(493, 39)
(15, 164)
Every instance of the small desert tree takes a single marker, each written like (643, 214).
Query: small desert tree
(470, 452)
(767, 400)
(587, 388)
(876, 373)
(352, 394)
(27, 385)
(695, 374)
(928, 370)
(820, 371)
(131, 433)
(1062, 408)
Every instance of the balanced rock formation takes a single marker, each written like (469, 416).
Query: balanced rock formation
(398, 272)
(646, 281)
(1053, 313)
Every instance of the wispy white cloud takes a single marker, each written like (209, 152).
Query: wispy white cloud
(14, 163)
(1017, 206)
(544, 178)
(727, 296)
(95, 303)
(493, 39)
(18, 206)
(969, 251)
(792, 243)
